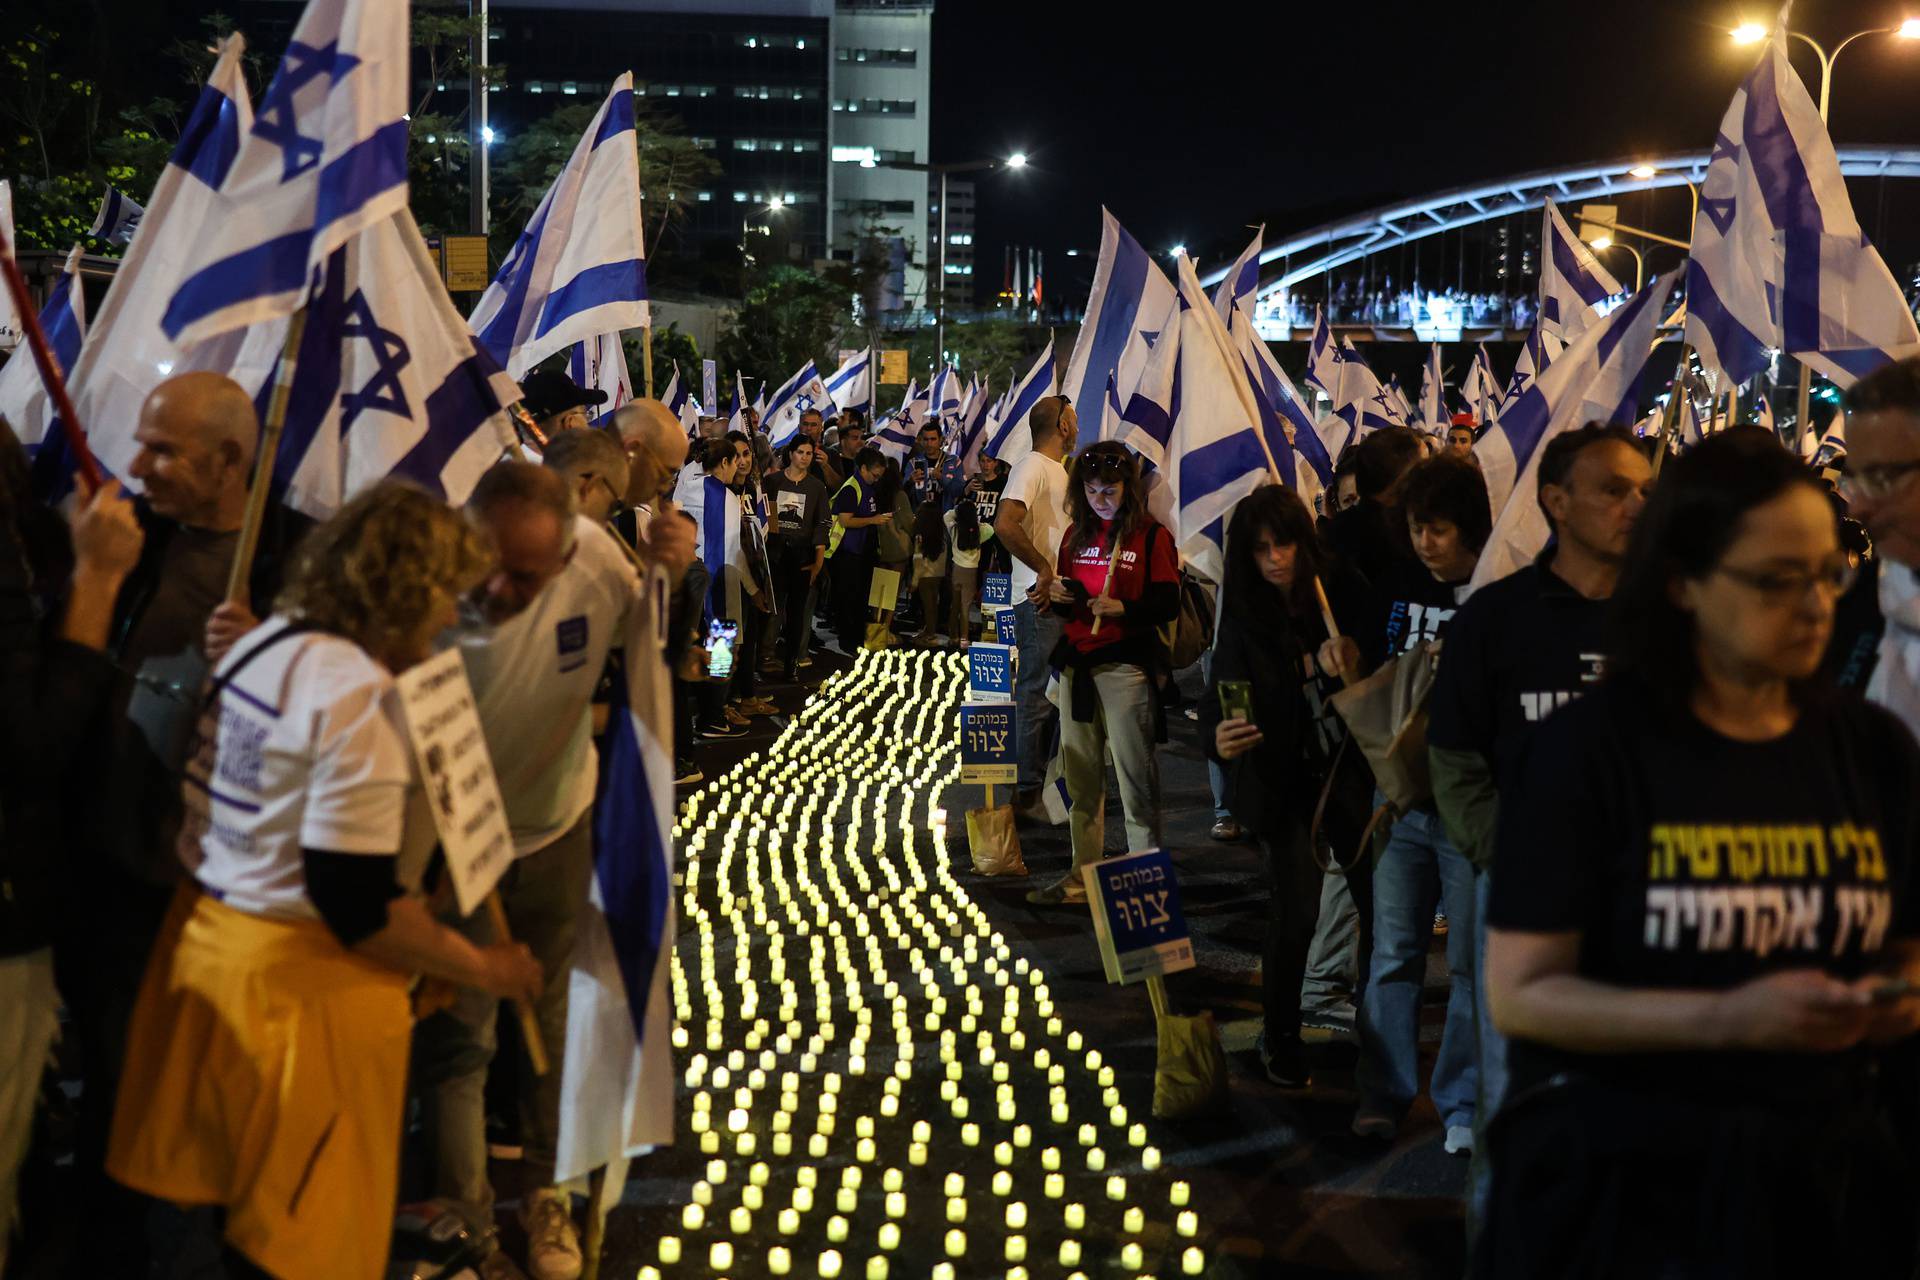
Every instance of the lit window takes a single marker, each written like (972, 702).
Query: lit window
(752, 43)
(673, 91)
(799, 44)
(704, 197)
(533, 86)
(569, 87)
(853, 155)
(739, 196)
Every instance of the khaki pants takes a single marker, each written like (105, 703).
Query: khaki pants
(1122, 724)
(544, 894)
(28, 1022)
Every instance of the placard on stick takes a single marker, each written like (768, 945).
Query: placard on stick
(1137, 921)
(457, 772)
(996, 590)
(885, 591)
(990, 672)
(989, 749)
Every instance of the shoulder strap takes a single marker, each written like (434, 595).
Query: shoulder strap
(219, 683)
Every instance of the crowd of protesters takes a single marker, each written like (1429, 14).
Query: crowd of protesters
(1661, 787)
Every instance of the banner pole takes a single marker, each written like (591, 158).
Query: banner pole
(263, 462)
(529, 1025)
(646, 357)
(50, 375)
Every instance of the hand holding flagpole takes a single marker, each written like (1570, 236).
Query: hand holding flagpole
(49, 366)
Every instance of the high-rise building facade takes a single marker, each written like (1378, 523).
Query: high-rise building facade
(881, 82)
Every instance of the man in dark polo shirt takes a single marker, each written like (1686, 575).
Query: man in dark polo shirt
(1517, 650)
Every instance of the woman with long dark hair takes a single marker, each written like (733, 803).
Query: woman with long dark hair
(1119, 580)
(1278, 759)
(967, 537)
(1703, 919)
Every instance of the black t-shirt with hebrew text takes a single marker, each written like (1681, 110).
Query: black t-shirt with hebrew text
(1687, 860)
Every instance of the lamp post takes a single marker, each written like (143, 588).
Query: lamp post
(1639, 262)
(1754, 32)
(774, 205)
(1018, 160)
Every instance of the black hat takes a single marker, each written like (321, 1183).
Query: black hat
(549, 391)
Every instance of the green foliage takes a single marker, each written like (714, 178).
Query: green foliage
(791, 316)
(672, 350)
(997, 349)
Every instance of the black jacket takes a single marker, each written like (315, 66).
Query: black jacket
(50, 690)
(1277, 783)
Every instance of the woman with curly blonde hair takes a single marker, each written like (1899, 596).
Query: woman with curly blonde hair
(267, 1056)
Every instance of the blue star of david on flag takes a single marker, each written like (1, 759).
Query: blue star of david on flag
(277, 121)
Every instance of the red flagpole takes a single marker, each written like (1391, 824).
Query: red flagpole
(49, 367)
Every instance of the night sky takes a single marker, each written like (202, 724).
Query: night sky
(1297, 113)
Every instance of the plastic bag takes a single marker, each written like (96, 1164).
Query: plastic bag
(879, 636)
(994, 843)
(1190, 1068)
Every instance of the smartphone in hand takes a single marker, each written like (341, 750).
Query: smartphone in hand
(722, 635)
(1236, 700)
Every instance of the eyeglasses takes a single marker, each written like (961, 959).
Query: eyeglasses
(1105, 465)
(1784, 586)
(619, 499)
(1875, 483)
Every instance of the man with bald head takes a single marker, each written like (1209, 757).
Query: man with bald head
(197, 435)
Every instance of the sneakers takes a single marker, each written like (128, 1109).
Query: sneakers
(725, 729)
(1284, 1060)
(1226, 829)
(759, 706)
(553, 1246)
(1334, 1020)
(1459, 1139)
(1375, 1125)
(1066, 891)
(735, 716)
(1440, 924)
(686, 773)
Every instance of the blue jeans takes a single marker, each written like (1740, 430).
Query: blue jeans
(1419, 869)
(1039, 633)
(1493, 1064)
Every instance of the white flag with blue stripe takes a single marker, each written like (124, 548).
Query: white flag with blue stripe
(1290, 421)
(617, 1078)
(389, 381)
(1131, 302)
(1433, 392)
(325, 159)
(1779, 261)
(130, 353)
(1572, 281)
(851, 385)
(1596, 379)
(1359, 398)
(803, 391)
(738, 406)
(1536, 353)
(971, 437)
(24, 401)
(600, 363)
(943, 396)
(1012, 438)
(1482, 388)
(118, 219)
(1237, 287)
(579, 269)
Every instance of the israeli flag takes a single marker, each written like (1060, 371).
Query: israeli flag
(1217, 448)
(971, 436)
(1482, 389)
(943, 396)
(24, 401)
(389, 381)
(1536, 353)
(804, 390)
(1359, 398)
(1012, 439)
(852, 383)
(579, 269)
(1130, 304)
(737, 407)
(1596, 379)
(673, 395)
(1572, 281)
(1433, 392)
(117, 220)
(601, 364)
(326, 158)
(1779, 261)
(11, 331)
(617, 1077)
(1833, 445)
(130, 353)
(894, 438)
(716, 511)
(1237, 287)
(1397, 399)
(915, 410)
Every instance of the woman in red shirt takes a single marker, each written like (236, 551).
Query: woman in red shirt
(1119, 581)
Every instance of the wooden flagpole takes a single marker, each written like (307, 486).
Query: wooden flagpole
(646, 357)
(50, 374)
(263, 463)
(529, 1024)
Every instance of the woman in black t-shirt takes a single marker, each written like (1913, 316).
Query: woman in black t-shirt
(1703, 920)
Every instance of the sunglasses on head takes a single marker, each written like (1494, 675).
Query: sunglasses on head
(1105, 466)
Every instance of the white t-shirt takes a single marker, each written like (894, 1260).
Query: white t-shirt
(311, 752)
(1041, 483)
(533, 679)
(962, 559)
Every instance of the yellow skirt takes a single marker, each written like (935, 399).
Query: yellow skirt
(266, 1073)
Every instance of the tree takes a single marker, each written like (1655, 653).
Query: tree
(997, 349)
(790, 317)
(672, 350)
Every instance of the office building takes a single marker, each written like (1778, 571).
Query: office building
(881, 78)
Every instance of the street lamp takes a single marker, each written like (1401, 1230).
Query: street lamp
(1753, 33)
(1646, 173)
(1018, 160)
(774, 205)
(1639, 262)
